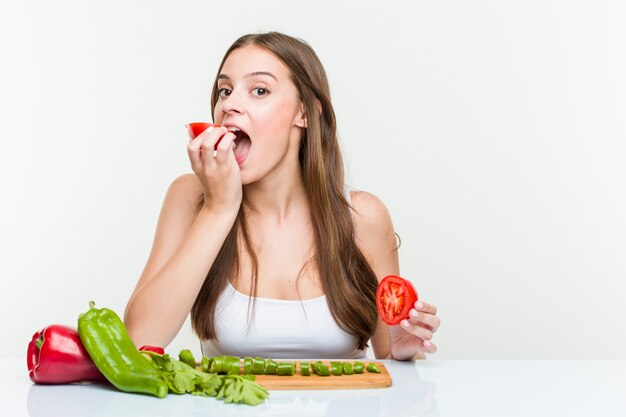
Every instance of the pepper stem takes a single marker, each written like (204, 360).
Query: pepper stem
(39, 342)
(92, 304)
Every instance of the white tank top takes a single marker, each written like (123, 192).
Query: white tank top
(280, 329)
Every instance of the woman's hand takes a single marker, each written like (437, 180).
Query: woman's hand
(217, 170)
(414, 335)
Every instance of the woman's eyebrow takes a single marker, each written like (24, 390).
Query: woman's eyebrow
(252, 74)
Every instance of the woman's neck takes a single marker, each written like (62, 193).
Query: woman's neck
(277, 200)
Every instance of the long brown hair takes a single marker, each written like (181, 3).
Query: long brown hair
(347, 279)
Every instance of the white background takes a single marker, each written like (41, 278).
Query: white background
(493, 131)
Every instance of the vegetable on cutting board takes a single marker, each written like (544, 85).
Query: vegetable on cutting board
(231, 365)
(395, 297)
(183, 378)
(372, 367)
(56, 355)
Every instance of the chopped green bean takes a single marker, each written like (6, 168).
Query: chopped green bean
(217, 365)
(358, 367)
(304, 369)
(258, 366)
(270, 367)
(336, 368)
(247, 365)
(371, 367)
(322, 369)
(286, 368)
(347, 368)
(235, 365)
(205, 364)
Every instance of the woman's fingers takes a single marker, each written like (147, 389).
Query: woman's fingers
(202, 150)
(194, 148)
(426, 314)
(419, 317)
(225, 148)
(207, 147)
(423, 323)
(429, 346)
(417, 329)
(425, 307)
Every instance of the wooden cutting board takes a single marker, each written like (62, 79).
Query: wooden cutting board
(315, 382)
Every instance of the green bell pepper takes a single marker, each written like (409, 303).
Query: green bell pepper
(105, 338)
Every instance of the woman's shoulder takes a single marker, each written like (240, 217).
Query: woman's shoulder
(374, 232)
(186, 188)
(373, 228)
(367, 206)
(188, 181)
(371, 217)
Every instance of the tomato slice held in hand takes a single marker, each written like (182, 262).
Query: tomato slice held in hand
(395, 297)
(195, 128)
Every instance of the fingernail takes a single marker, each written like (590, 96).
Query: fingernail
(413, 313)
(427, 343)
(419, 304)
(405, 323)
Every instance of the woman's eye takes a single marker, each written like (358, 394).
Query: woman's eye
(224, 92)
(260, 91)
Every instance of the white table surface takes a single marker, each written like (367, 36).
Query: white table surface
(569, 388)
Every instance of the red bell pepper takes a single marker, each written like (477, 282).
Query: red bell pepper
(57, 356)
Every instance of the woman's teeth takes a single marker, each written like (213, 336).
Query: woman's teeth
(234, 129)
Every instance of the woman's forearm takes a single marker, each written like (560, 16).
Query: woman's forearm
(157, 310)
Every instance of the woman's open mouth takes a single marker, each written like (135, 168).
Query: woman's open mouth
(242, 144)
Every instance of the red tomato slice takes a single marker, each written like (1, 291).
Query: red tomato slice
(195, 128)
(395, 297)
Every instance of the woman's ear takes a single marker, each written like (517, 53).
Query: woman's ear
(301, 118)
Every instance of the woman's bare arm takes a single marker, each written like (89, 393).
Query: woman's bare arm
(186, 243)
(377, 240)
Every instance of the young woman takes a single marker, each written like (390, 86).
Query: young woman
(263, 244)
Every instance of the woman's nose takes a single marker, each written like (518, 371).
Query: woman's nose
(232, 105)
